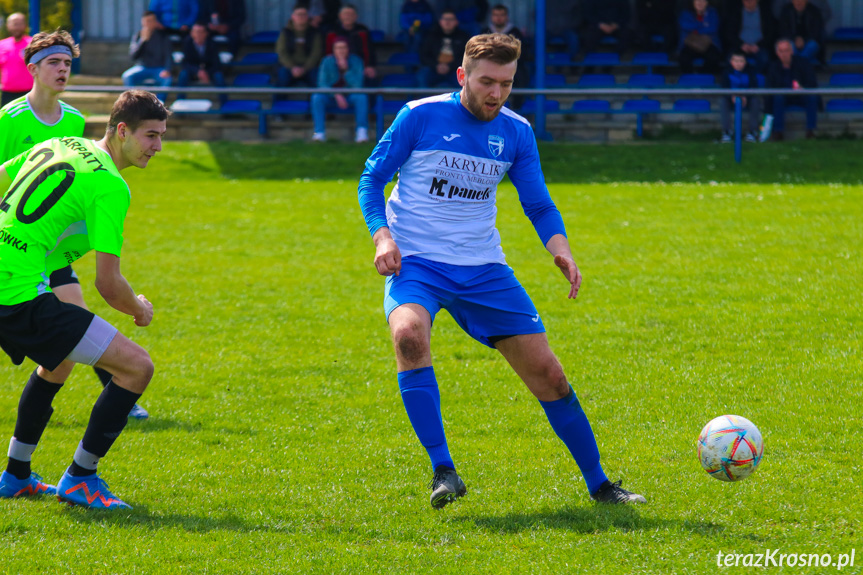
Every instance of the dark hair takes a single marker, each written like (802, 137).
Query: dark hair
(44, 40)
(149, 13)
(500, 7)
(448, 11)
(736, 53)
(498, 48)
(133, 107)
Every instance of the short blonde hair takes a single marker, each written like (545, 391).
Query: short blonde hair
(498, 48)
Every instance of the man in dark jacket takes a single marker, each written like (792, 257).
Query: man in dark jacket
(442, 52)
(803, 24)
(749, 27)
(300, 48)
(499, 23)
(150, 48)
(224, 18)
(201, 59)
(791, 71)
(359, 39)
(606, 19)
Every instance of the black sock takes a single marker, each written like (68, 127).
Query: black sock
(103, 375)
(20, 469)
(108, 419)
(34, 411)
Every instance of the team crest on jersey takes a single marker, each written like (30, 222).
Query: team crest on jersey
(495, 145)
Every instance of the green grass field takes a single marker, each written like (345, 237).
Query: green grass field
(278, 443)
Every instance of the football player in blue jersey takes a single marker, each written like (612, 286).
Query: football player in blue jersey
(436, 241)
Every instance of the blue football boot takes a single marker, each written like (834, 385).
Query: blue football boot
(11, 486)
(88, 490)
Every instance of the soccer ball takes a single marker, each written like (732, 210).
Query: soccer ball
(730, 448)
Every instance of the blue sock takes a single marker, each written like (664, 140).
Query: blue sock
(570, 423)
(422, 402)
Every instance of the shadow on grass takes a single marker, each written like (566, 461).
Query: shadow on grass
(795, 162)
(140, 517)
(588, 520)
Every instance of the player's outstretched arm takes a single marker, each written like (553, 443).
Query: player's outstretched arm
(558, 246)
(117, 292)
(388, 258)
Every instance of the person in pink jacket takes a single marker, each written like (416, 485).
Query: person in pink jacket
(15, 80)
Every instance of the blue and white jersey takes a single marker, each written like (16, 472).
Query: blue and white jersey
(450, 164)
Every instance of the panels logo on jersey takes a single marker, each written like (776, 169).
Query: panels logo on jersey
(495, 145)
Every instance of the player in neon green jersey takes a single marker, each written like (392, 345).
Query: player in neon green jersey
(63, 198)
(39, 116)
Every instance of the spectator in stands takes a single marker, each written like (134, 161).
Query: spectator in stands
(749, 27)
(151, 50)
(803, 24)
(471, 14)
(323, 14)
(224, 18)
(823, 5)
(657, 18)
(415, 19)
(300, 48)
(698, 28)
(499, 23)
(606, 19)
(740, 74)
(341, 69)
(791, 71)
(359, 39)
(175, 16)
(201, 61)
(15, 80)
(442, 53)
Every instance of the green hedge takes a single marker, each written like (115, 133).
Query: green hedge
(55, 13)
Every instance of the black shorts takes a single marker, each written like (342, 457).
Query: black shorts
(44, 329)
(62, 277)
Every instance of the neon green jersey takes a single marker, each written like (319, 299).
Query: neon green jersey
(21, 128)
(67, 197)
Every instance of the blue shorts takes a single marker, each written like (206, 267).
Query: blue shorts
(486, 301)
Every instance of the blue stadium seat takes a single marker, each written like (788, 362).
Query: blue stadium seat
(556, 40)
(403, 80)
(248, 80)
(646, 81)
(258, 59)
(597, 81)
(378, 36)
(241, 107)
(846, 80)
(844, 106)
(264, 37)
(290, 107)
(686, 106)
(696, 81)
(529, 106)
(555, 81)
(852, 58)
(601, 59)
(557, 59)
(650, 59)
(591, 106)
(393, 106)
(848, 34)
(409, 60)
(643, 106)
